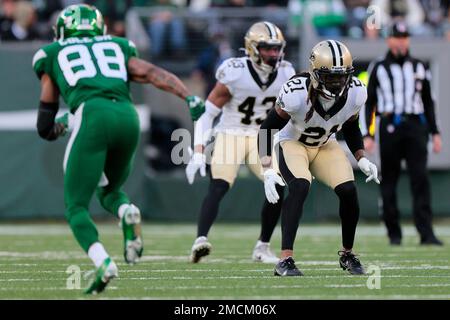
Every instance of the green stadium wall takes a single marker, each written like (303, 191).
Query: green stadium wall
(31, 187)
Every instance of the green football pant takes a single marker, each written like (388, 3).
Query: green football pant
(104, 140)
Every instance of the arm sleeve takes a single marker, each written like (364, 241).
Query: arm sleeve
(265, 135)
(428, 104)
(46, 120)
(352, 134)
(370, 107)
(203, 127)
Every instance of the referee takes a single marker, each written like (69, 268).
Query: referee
(399, 93)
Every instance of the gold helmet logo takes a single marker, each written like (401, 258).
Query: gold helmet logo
(264, 34)
(331, 68)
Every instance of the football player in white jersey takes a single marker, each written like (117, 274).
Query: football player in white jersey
(245, 92)
(310, 108)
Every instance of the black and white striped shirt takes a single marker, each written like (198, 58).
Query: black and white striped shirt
(399, 88)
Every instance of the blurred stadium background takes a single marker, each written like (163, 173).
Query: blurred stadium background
(190, 38)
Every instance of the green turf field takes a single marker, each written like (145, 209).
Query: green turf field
(34, 259)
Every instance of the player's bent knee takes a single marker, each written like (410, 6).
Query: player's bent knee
(299, 186)
(346, 190)
(101, 193)
(280, 190)
(74, 211)
(218, 187)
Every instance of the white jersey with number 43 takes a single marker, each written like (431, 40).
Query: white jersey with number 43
(313, 127)
(251, 98)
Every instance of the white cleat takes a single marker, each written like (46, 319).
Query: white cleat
(262, 253)
(132, 235)
(200, 248)
(133, 250)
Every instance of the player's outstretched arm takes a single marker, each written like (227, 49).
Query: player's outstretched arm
(142, 71)
(47, 128)
(218, 97)
(276, 120)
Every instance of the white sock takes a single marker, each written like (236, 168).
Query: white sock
(201, 239)
(260, 243)
(122, 209)
(97, 254)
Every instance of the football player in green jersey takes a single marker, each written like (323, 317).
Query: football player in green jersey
(91, 71)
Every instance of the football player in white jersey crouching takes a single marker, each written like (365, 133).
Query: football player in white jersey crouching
(310, 108)
(245, 92)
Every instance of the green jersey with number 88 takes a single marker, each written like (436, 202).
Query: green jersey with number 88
(87, 67)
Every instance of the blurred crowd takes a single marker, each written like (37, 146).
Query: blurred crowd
(168, 31)
(24, 20)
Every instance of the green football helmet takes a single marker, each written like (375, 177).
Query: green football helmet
(80, 20)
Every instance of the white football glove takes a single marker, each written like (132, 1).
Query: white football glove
(271, 179)
(369, 169)
(198, 161)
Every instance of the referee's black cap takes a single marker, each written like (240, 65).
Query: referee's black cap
(398, 29)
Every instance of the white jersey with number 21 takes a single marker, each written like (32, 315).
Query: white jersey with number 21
(313, 127)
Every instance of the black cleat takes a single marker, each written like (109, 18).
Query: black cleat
(287, 268)
(350, 262)
(395, 241)
(431, 241)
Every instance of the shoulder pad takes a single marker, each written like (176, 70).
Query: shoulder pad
(128, 47)
(38, 56)
(287, 68)
(230, 70)
(360, 91)
(40, 61)
(293, 95)
(131, 44)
